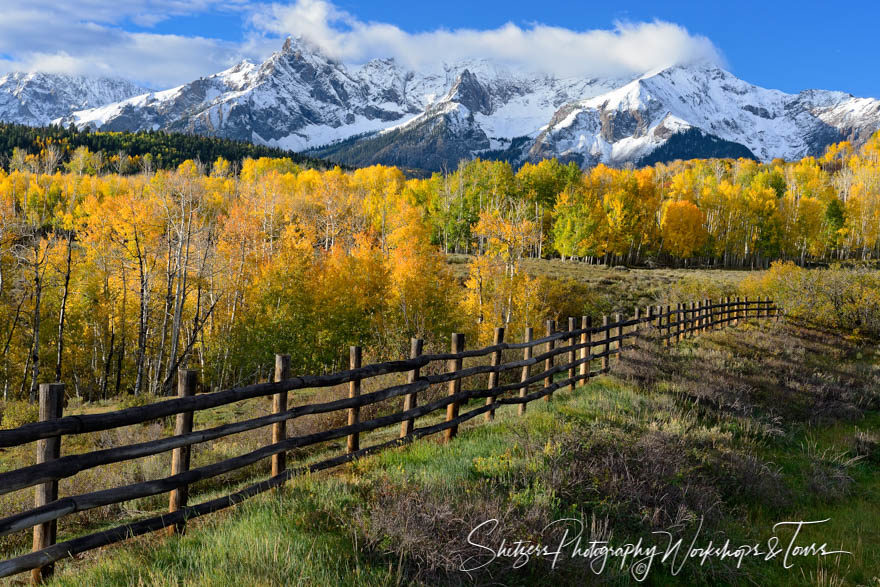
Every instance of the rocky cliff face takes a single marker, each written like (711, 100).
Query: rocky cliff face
(36, 99)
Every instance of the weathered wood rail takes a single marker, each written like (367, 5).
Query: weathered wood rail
(568, 353)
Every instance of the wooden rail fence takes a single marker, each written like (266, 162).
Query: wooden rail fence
(568, 352)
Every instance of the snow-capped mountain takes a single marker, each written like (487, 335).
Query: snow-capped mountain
(631, 122)
(300, 99)
(36, 99)
(380, 112)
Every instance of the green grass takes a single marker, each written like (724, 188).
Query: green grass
(744, 428)
(280, 539)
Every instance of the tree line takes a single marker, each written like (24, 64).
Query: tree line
(719, 212)
(112, 281)
(124, 152)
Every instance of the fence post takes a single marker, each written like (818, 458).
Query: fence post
(725, 312)
(354, 390)
(572, 356)
(494, 375)
(706, 321)
(637, 316)
(776, 312)
(680, 322)
(527, 354)
(457, 346)
(704, 316)
(410, 400)
(691, 319)
(548, 362)
(606, 348)
(698, 317)
(667, 338)
(707, 315)
(618, 318)
(48, 449)
(187, 380)
(586, 340)
(279, 404)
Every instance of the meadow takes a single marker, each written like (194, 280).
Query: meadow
(729, 432)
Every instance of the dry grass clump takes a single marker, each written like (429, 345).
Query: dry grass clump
(828, 475)
(633, 482)
(780, 370)
(866, 445)
(743, 478)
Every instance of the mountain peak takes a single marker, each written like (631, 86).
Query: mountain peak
(299, 47)
(292, 44)
(470, 93)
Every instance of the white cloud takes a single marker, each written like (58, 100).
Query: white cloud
(90, 37)
(628, 48)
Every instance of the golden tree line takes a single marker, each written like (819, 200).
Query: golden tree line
(735, 213)
(111, 282)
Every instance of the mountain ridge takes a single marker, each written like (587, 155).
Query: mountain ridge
(36, 98)
(379, 112)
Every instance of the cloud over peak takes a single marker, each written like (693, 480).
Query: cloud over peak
(104, 37)
(626, 49)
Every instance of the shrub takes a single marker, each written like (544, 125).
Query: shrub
(134, 401)
(18, 413)
(845, 299)
(697, 287)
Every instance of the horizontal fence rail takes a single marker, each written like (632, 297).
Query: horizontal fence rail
(569, 353)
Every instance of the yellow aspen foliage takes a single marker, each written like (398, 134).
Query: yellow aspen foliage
(682, 228)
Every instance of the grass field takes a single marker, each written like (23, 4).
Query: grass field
(621, 289)
(730, 433)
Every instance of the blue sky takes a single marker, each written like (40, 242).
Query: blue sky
(781, 44)
(776, 44)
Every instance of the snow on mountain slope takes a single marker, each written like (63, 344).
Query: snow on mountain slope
(380, 112)
(632, 121)
(294, 100)
(505, 104)
(300, 99)
(36, 99)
